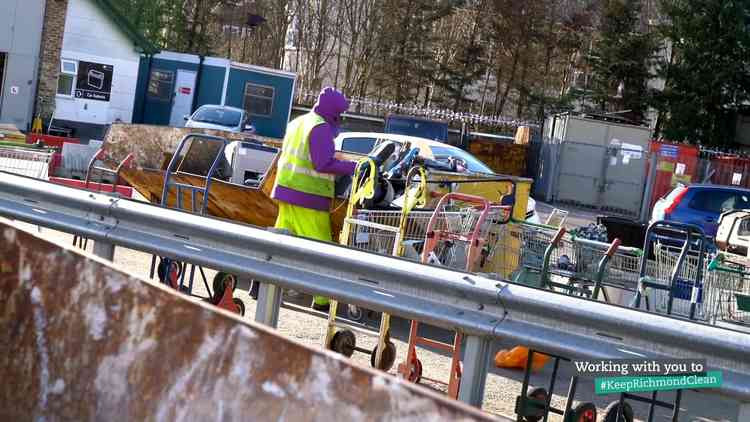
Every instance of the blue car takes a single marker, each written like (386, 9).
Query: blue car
(700, 205)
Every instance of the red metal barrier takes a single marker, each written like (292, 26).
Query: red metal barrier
(731, 170)
(49, 140)
(677, 163)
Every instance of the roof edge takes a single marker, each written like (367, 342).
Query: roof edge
(127, 27)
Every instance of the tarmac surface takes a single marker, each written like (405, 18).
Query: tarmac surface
(297, 321)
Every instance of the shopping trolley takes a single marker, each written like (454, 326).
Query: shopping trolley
(673, 283)
(455, 237)
(571, 264)
(730, 281)
(676, 276)
(380, 231)
(25, 161)
(535, 404)
(620, 280)
(523, 246)
(170, 271)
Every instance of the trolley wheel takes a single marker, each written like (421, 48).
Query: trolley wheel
(240, 305)
(354, 313)
(584, 412)
(169, 271)
(612, 410)
(254, 289)
(221, 282)
(344, 342)
(536, 410)
(415, 371)
(388, 358)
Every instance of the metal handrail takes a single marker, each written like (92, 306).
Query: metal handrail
(480, 307)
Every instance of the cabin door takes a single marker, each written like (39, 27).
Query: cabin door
(184, 88)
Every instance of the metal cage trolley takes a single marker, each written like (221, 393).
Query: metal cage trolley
(170, 271)
(732, 288)
(380, 231)
(454, 238)
(672, 284)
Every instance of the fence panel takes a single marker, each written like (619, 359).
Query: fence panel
(624, 181)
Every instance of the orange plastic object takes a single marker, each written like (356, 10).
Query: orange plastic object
(227, 303)
(517, 357)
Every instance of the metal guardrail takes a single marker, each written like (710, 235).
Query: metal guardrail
(481, 308)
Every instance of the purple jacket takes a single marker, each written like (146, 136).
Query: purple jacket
(330, 105)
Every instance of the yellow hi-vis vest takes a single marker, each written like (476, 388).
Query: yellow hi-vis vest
(295, 169)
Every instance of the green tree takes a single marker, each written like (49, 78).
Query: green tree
(706, 73)
(621, 61)
(462, 54)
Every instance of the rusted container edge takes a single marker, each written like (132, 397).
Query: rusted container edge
(80, 340)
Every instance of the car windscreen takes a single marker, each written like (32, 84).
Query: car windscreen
(472, 162)
(218, 116)
(424, 129)
(361, 145)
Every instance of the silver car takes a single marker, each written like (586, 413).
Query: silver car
(230, 119)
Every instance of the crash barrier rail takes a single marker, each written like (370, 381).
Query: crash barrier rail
(480, 308)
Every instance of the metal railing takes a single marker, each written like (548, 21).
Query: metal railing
(481, 308)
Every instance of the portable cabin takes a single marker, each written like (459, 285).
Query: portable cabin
(173, 85)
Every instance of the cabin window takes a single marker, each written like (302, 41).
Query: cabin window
(66, 80)
(258, 99)
(160, 85)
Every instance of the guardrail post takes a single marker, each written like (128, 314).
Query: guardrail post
(268, 305)
(104, 250)
(744, 412)
(476, 360)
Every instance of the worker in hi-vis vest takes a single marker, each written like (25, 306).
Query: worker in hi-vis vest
(306, 170)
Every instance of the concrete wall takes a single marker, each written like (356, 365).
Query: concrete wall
(91, 36)
(20, 36)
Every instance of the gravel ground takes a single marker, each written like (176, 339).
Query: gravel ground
(502, 386)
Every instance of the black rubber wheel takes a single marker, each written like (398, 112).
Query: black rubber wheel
(254, 289)
(354, 313)
(220, 283)
(612, 410)
(415, 371)
(388, 358)
(344, 342)
(538, 395)
(584, 412)
(168, 271)
(240, 305)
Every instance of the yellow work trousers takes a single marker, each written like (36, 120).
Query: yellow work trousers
(305, 222)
